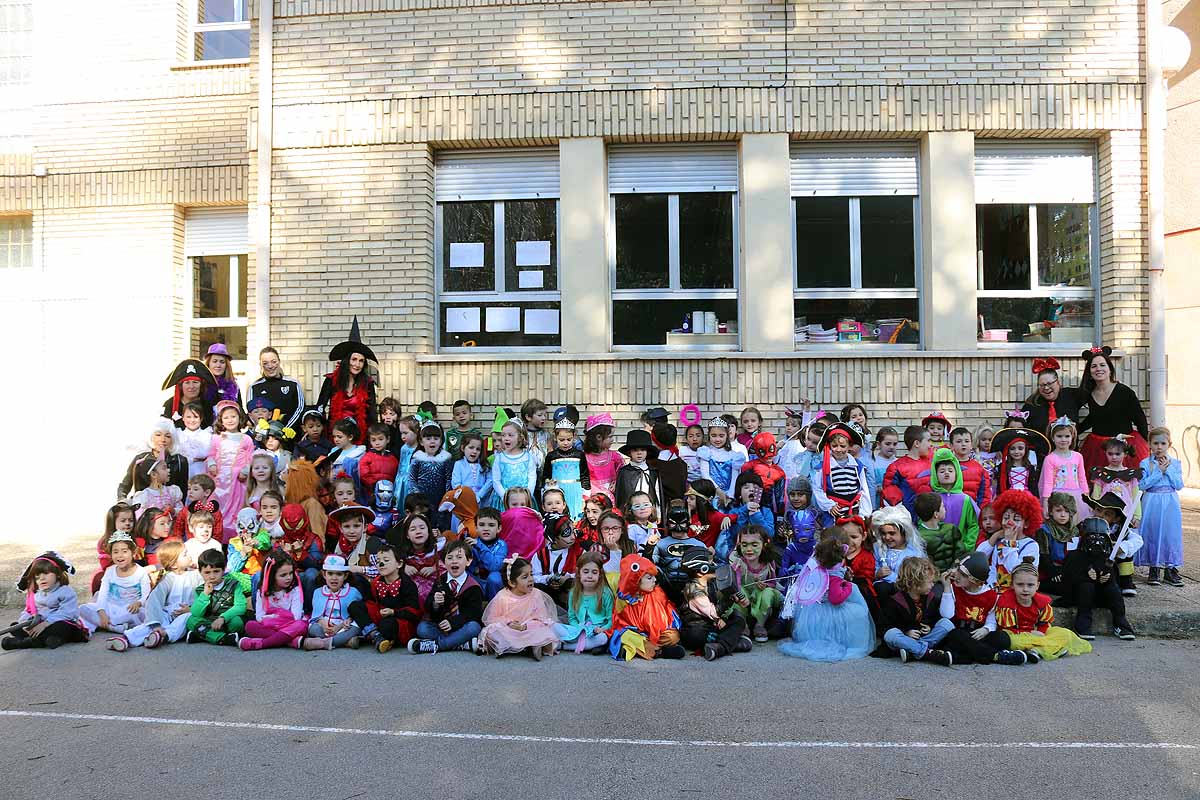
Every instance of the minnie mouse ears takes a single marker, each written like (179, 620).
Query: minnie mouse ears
(1091, 353)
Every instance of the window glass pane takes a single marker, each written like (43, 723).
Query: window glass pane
(883, 321)
(243, 284)
(1037, 319)
(468, 223)
(1064, 245)
(1002, 238)
(234, 340)
(888, 252)
(222, 10)
(210, 286)
(647, 322)
(706, 240)
(217, 45)
(16, 242)
(823, 241)
(642, 241)
(531, 222)
(508, 325)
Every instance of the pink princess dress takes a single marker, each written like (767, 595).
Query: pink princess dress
(230, 453)
(535, 609)
(602, 471)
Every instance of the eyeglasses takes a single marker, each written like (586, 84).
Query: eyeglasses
(1047, 384)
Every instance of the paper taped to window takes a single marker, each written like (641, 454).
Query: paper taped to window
(466, 255)
(462, 320)
(533, 254)
(541, 321)
(503, 320)
(529, 279)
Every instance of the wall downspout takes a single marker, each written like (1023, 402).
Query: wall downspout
(262, 216)
(1156, 123)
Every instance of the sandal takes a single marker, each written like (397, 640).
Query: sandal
(118, 644)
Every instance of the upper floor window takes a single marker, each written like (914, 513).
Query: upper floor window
(16, 242)
(16, 42)
(221, 30)
(1035, 228)
(857, 240)
(673, 251)
(496, 248)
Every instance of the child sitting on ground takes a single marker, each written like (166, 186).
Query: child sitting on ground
(1020, 517)
(589, 608)
(396, 607)
(709, 622)
(647, 626)
(51, 615)
(521, 617)
(895, 541)
(668, 553)
(1026, 615)
(120, 602)
(1090, 579)
(331, 624)
(219, 608)
(830, 618)
(753, 567)
(915, 619)
(169, 604)
(279, 619)
(454, 608)
(970, 641)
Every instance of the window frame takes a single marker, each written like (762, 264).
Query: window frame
(675, 290)
(1036, 290)
(236, 303)
(856, 290)
(504, 295)
(26, 245)
(197, 27)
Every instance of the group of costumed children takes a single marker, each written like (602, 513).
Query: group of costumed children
(530, 539)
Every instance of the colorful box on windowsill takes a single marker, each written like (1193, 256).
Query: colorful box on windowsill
(850, 331)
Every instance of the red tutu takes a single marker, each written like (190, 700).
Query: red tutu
(1092, 450)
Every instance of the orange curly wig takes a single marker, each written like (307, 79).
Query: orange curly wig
(1023, 503)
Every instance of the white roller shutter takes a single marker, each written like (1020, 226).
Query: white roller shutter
(854, 169)
(1035, 172)
(223, 231)
(668, 168)
(516, 174)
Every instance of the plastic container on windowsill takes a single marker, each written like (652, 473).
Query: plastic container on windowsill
(996, 335)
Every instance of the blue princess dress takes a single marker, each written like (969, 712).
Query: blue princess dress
(1162, 516)
(821, 629)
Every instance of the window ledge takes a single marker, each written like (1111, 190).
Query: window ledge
(183, 66)
(877, 351)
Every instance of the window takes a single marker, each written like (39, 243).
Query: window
(857, 236)
(497, 249)
(673, 249)
(16, 42)
(221, 31)
(216, 244)
(1035, 223)
(16, 242)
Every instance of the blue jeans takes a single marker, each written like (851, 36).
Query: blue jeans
(898, 640)
(448, 641)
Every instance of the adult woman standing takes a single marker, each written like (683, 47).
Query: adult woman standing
(224, 387)
(190, 379)
(282, 393)
(348, 391)
(160, 446)
(1050, 400)
(1113, 408)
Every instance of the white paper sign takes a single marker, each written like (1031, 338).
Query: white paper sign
(466, 255)
(503, 320)
(462, 320)
(529, 279)
(541, 320)
(533, 254)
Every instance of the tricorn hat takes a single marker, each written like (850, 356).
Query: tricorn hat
(1036, 441)
(189, 369)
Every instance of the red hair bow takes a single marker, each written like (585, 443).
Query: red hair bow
(1040, 365)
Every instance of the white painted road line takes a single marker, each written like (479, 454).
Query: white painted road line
(499, 737)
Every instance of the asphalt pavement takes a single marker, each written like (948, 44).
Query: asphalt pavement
(198, 720)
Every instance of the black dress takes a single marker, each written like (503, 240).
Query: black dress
(1070, 401)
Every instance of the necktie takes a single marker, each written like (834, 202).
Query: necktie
(1053, 413)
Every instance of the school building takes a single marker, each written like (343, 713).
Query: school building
(612, 203)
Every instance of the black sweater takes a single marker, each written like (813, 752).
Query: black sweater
(1122, 413)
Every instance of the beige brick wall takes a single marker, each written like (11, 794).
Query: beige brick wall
(1123, 245)
(540, 46)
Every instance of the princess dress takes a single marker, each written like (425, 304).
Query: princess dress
(1162, 517)
(823, 630)
(509, 471)
(231, 453)
(602, 469)
(535, 610)
(566, 472)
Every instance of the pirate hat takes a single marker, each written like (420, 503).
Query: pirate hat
(189, 368)
(353, 344)
(50, 555)
(851, 432)
(1109, 501)
(1036, 441)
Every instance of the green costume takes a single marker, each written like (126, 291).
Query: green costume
(944, 544)
(227, 601)
(960, 509)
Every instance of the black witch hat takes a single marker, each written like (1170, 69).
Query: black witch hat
(353, 344)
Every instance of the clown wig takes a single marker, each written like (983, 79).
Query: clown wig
(1022, 503)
